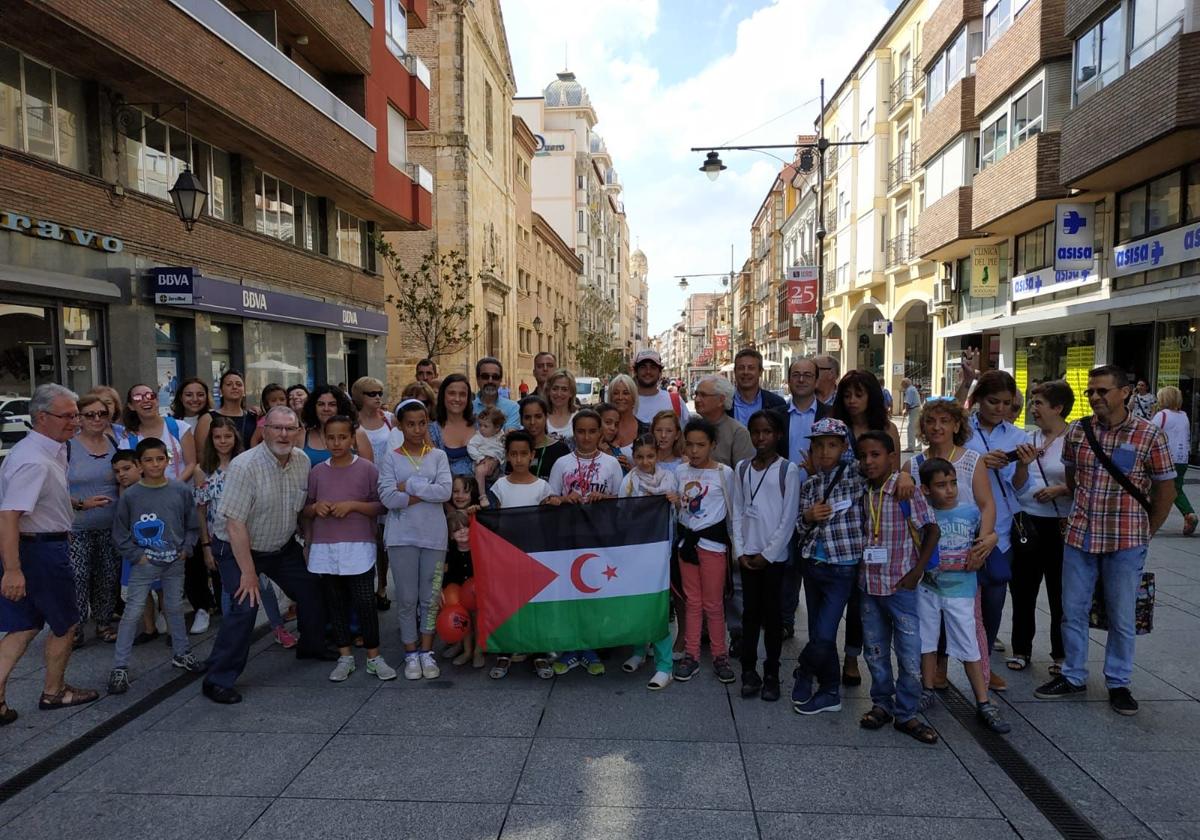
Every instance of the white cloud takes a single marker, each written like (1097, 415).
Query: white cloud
(684, 222)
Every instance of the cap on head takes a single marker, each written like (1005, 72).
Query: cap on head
(647, 355)
(828, 427)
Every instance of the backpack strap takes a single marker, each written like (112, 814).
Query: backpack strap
(1113, 469)
(173, 427)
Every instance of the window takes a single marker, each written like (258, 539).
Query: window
(1155, 22)
(155, 153)
(1027, 115)
(582, 222)
(1035, 249)
(487, 116)
(1156, 205)
(955, 62)
(215, 169)
(993, 144)
(42, 111)
(397, 128)
(1193, 194)
(998, 17)
(1099, 55)
(355, 241)
(396, 27)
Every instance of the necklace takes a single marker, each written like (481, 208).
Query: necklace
(416, 462)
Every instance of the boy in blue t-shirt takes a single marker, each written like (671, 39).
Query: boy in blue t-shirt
(947, 596)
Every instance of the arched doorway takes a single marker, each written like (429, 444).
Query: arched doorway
(832, 342)
(917, 346)
(867, 352)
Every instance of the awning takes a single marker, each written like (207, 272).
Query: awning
(35, 279)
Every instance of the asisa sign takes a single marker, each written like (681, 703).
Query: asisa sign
(1168, 248)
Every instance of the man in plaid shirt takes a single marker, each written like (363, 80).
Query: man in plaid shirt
(831, 545)
(1108, 532)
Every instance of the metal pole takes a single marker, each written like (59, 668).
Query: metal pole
(822, 145)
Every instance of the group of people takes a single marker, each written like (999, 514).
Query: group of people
(340, 502)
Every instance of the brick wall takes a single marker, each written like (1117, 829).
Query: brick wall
(151, 230)
(951, 116)
(947, 219)
(946, 20)
(1077, 13)
(1035, 38)
(341, 23)
(1026, 175)
(1114, 122)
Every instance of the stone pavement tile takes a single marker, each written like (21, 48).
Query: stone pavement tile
(218, 763)
(1171, 618)
(291, 819)
(413, 767)
(469, 713)
(1021, 685)
(1084, 727)
(1165, 643)
(131, 817)
(520, 676)
(530, 822)
(280, 668)
(1177, 830)
(886, 781)
(271, 709)
(854, 827)
(1172, 579)
(601, 709)
(1178, 672)
(22, 696)
(1188, 594)
(1153, 785)
(648, 774)
(776, 723)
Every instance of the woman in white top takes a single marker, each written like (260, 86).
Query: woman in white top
(1174, 422)
(377, 425)
(142, 420)
(1046, 501)
(560, 393)
(192, 401)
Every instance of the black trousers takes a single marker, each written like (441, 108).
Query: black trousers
(1029, 568)
(762, 599)
(357, 592)
(196, 581)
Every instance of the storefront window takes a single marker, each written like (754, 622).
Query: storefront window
(169, 354)
(26, 348)
(1177, 363)
(81, 337)
(226, 352)
(314, 360)
(1066, 356)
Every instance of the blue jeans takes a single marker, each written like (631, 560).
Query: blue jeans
(1121, 572)
(827, 590)
(891, 621)
(141, 576)
(270, 603)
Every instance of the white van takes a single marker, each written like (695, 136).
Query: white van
(587, 388)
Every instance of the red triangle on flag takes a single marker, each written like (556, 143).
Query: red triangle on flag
(506, 579)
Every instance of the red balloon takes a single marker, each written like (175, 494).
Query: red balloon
(453, 623)
(468, 597)
(451, 594)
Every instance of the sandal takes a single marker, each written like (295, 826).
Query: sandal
(543, 668)
(914, 728)
(7, 715)
(79, 697)
(876, 718)
(500, 669)
(107, 634)
(1017, 663)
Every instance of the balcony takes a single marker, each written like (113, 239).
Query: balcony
(946, 226)
(901, 91)
(899, 250)
(1007, 193)
(1035, 38)
(899, 170)
(831, 221)
(1103, 149)
(831, 162)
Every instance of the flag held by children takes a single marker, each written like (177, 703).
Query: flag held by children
(572, 577)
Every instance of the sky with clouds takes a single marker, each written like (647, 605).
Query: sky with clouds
(666, 75)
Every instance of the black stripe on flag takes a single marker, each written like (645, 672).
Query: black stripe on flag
(606, 524)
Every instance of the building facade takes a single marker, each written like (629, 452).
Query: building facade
(278, 277)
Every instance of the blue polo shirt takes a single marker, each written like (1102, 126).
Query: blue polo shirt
(799, 425)
(1007, 437)
(512, 411)
(742, 410)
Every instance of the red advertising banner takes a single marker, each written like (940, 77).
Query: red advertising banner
(721, 342)
(802, 290)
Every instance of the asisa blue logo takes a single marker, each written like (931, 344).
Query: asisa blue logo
(1147, 253)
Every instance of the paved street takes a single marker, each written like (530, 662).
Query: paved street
(583, 757)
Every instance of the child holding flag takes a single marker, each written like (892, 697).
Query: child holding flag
(414, 480)
(766, 497)
(464, 500)
(893, 564)
(706, 533)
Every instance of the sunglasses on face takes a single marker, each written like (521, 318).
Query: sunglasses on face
(150, 397)
(375, 394)
(488, 377)
(95, 415)
(1097, 392)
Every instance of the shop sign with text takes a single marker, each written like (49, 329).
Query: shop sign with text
(1169, 248)
(1046, 281)
(802, 290)
(985, 271)
(43, 229)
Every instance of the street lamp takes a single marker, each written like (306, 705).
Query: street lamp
(537, 323)
(712, 166)
(683, 283)
(189, 196)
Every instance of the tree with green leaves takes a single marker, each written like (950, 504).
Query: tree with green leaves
(433, 300)
(596, 356)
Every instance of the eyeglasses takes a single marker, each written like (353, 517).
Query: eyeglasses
(823, 369)
(147, 397)
(488, 377)
(73, 416)
(281, 429)
(375, 394)
(95, 415)
(1097, 392)
(804, 376)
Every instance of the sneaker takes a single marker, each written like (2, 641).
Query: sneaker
(752, 684)
(802, 689)
(686, 668)
(1060, 686)
(429, 666)
(770, 689)
(822, 701)
(1122, 701)
(199, 622)
(723, 670)
(594, 666)
(189, 662)
(343, 669)
(659, 681)
(381, 669)
(989, 716)
(412, 666)
(118, 681)
(562, 665)
(284, 638)
(633, 663)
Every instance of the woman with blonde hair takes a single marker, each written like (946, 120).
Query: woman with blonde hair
(111, 398)
(1172, 419)
(623, 396)
(564, 402)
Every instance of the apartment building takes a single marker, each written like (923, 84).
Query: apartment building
(293, 117)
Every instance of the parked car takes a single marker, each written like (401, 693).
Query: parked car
(587, 388)
(14, 421)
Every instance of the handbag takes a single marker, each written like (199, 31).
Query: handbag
(1143, 611)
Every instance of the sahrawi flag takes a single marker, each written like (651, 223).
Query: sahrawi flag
(572, 577)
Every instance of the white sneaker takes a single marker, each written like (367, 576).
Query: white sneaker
(412, 666)
(200, 622)
(381, 669)
(343, 669)
(659, 681)
(429, 666)
(633, 663)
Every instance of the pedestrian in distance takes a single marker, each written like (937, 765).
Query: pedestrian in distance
(1172, 419)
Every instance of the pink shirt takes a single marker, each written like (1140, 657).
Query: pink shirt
(33, 480)
(357, 482)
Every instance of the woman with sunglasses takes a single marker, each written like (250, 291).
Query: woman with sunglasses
(142, 420)
(377, 424)
(94, 557)
(192, 401)
(233, 406)
(112, 401)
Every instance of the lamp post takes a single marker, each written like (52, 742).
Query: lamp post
(188, 195)
(713, 166)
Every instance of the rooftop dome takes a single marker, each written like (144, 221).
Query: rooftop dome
(566, 92)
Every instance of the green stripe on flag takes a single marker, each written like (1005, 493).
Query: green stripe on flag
(582, 624)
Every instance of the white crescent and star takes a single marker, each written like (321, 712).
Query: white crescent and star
(577, 581)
